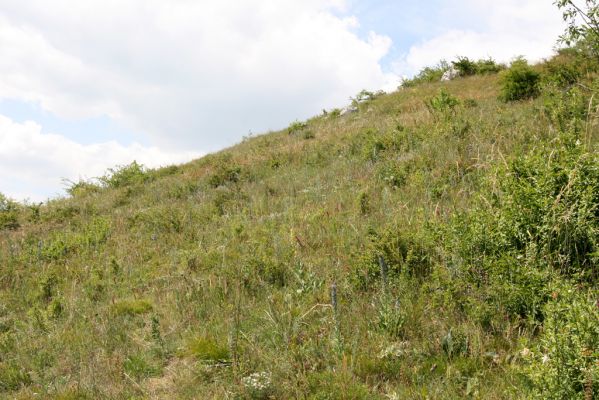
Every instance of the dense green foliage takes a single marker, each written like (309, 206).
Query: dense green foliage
(519, 82)
(8, 213)
(583, 24)
(467, 67)
(436, 243)
(463, 65)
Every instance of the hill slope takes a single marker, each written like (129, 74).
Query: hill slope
(413, 249)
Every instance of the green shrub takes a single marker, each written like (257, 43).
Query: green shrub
(394, 173)
(567, 109)
(9, 213)
(365, 96)
(268, 270)
(225, 173)
(550, 208)
(564, 69)
(427, 75)
(335, 113)
(519, 82)
(81, 188)
(364, 203)
(465, 66)
(164, 171)
(13, 377)
(296, 126)
(443, 103)
(399, 252)
(125, 175)
(488, 66)
(565, 365)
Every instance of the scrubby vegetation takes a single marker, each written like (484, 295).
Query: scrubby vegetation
(519, 82)
(438, 243)
(463, 66)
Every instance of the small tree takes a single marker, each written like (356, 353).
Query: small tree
(583, 23)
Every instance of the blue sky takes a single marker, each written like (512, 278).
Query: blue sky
(88, 85)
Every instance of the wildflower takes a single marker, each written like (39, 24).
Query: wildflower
(496, 359)
(395, 350)
(257, 382)
(393, 396)
(525, 352)
(545, 359)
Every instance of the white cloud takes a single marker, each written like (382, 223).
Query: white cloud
(483, 28)
(197, 75)
(189, 73)
(32, 163)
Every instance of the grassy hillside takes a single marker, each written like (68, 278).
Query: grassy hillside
(420, 248)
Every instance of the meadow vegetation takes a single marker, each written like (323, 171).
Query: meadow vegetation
(439, 243)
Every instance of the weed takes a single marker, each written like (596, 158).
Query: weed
(444, 103)
(139, 367)
(131, 307)
(13, 377)
(208, 350)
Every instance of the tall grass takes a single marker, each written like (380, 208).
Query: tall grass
(442, 217)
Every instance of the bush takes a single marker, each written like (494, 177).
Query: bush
(9, 213)
(550, 208)
(125, 175)
(566, 363)
(465, 66)
(519, 82)
(365, 96)
(564, 69)
(428, 74)
(488, 66)
(296, 126)
(13, 377)
(391, 253)
(225, 174)
(81, 188)
(444, 103)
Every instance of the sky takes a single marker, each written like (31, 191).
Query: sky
(89, 85)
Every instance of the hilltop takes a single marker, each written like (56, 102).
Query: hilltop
(437, 243)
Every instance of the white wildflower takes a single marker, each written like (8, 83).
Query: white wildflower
(525, 352)
(257, 382)
(545, 359)
(394, 350)
(393, 396)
